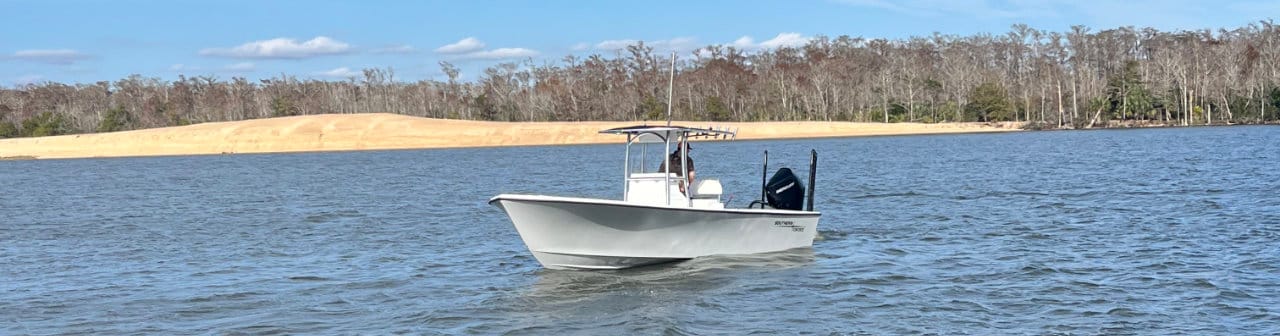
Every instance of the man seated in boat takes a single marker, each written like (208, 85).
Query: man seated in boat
(676, 167)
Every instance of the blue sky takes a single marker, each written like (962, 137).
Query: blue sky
(86, 41)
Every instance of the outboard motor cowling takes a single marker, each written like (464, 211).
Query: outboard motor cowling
(785, 191)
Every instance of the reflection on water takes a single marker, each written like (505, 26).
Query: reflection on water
(693, 274)
(647, 299)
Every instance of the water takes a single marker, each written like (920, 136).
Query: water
(1159, 231)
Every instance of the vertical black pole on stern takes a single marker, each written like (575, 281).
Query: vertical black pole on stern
(764, 186)
(813, 172)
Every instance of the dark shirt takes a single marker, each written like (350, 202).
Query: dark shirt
(674, 160)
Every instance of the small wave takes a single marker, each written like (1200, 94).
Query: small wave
(888, 195)
(1235, 295)
(1079, 195)
(666, 330)
(1160, 266)
(1203, 283)
(1000, 194)
(262, 329)
(931, 217)
(895, 251)
(375, 284)
(1027, 193)
(899, 277)
(327, 216)
(1050, 205)
(221, 297)
(1085, 284)
(1125, 312)
(965, 306)
(1037, 270)
(1212, 205)
(874, 282)
(1060, 312)
(1036, 235)
(830, 235)
(215, 272)
(308, 278)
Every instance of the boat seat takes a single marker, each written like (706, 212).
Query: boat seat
(706, 194)
(707, 189)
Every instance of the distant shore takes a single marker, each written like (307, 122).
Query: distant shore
(378, 131)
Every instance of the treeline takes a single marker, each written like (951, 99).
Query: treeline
(1072, 79)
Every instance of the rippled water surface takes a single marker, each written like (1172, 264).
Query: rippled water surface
(1159, 231)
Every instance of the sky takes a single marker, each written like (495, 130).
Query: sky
(86, 41)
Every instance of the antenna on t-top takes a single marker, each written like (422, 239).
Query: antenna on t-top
(671, 87)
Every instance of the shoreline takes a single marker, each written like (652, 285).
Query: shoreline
(384, 131)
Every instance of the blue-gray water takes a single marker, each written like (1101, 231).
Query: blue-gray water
(1159, 231)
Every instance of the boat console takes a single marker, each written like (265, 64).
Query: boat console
(647, 188)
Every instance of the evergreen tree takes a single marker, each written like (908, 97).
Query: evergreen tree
(116, 119)
(990, 102)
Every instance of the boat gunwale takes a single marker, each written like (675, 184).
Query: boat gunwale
(598, 201)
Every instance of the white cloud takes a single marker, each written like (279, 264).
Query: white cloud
(675, 44)
(50, 56)
(466, 45)
(785, 40)
(396, 49)
(782, 40)
(581, 46)
(282, 48)
(472, 48)
(240, 67)
(745, 42)
(615, 44)
(342, 72)
(183, 68)
(502, 53)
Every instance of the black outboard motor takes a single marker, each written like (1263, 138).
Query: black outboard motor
(785, 191)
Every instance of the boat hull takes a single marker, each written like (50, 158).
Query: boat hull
(584, 233)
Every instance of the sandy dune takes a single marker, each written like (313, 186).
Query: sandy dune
(338, 132)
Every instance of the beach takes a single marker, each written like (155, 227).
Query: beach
(382, 131)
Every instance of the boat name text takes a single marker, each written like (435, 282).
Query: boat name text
(789, 224)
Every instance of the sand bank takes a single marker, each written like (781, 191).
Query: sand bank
(340, 132)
